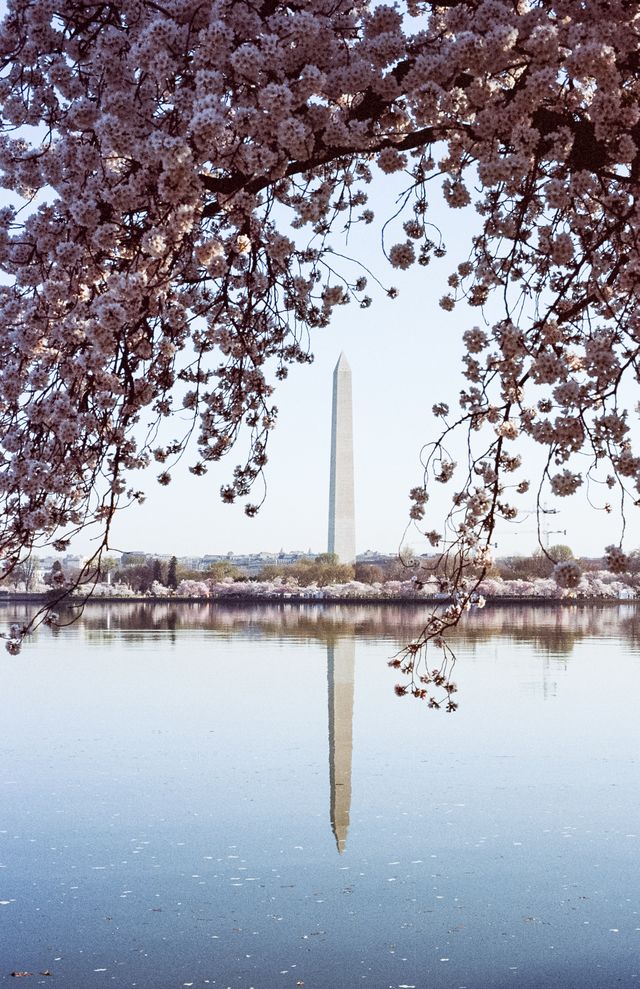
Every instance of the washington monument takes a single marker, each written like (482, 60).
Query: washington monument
(342, 528)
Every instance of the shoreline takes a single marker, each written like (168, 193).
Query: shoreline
(242, 600)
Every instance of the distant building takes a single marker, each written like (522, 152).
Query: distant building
(248, 563)
(68, 562)
(132, 557)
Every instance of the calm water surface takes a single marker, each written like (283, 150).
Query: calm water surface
(199, 796)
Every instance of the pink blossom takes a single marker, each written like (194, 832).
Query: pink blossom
(193, 167)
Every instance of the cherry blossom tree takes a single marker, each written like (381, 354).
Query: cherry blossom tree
(179, 171)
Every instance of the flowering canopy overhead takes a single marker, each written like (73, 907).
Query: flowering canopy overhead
(177, 169)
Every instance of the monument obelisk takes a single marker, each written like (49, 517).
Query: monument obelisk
(342, 528)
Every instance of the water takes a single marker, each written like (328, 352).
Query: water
(235, 798)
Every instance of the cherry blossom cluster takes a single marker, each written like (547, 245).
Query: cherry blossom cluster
(178, 174)
(616, 560)
(567, 574)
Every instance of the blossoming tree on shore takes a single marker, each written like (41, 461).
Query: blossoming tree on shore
(179, 170)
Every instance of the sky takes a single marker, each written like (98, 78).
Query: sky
(398, 351)
(403, 353)
(404, 356)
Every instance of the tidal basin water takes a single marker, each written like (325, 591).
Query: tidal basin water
(196, 795)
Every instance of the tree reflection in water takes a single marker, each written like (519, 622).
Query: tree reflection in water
(554, 629)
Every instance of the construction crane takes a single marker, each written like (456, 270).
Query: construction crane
(543, 531)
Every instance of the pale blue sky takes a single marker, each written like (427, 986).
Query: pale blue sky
(404, 355)
(396, 350)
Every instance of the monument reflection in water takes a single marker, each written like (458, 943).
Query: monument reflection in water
(340, 675)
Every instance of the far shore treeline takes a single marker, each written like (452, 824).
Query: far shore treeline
(403, 576)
